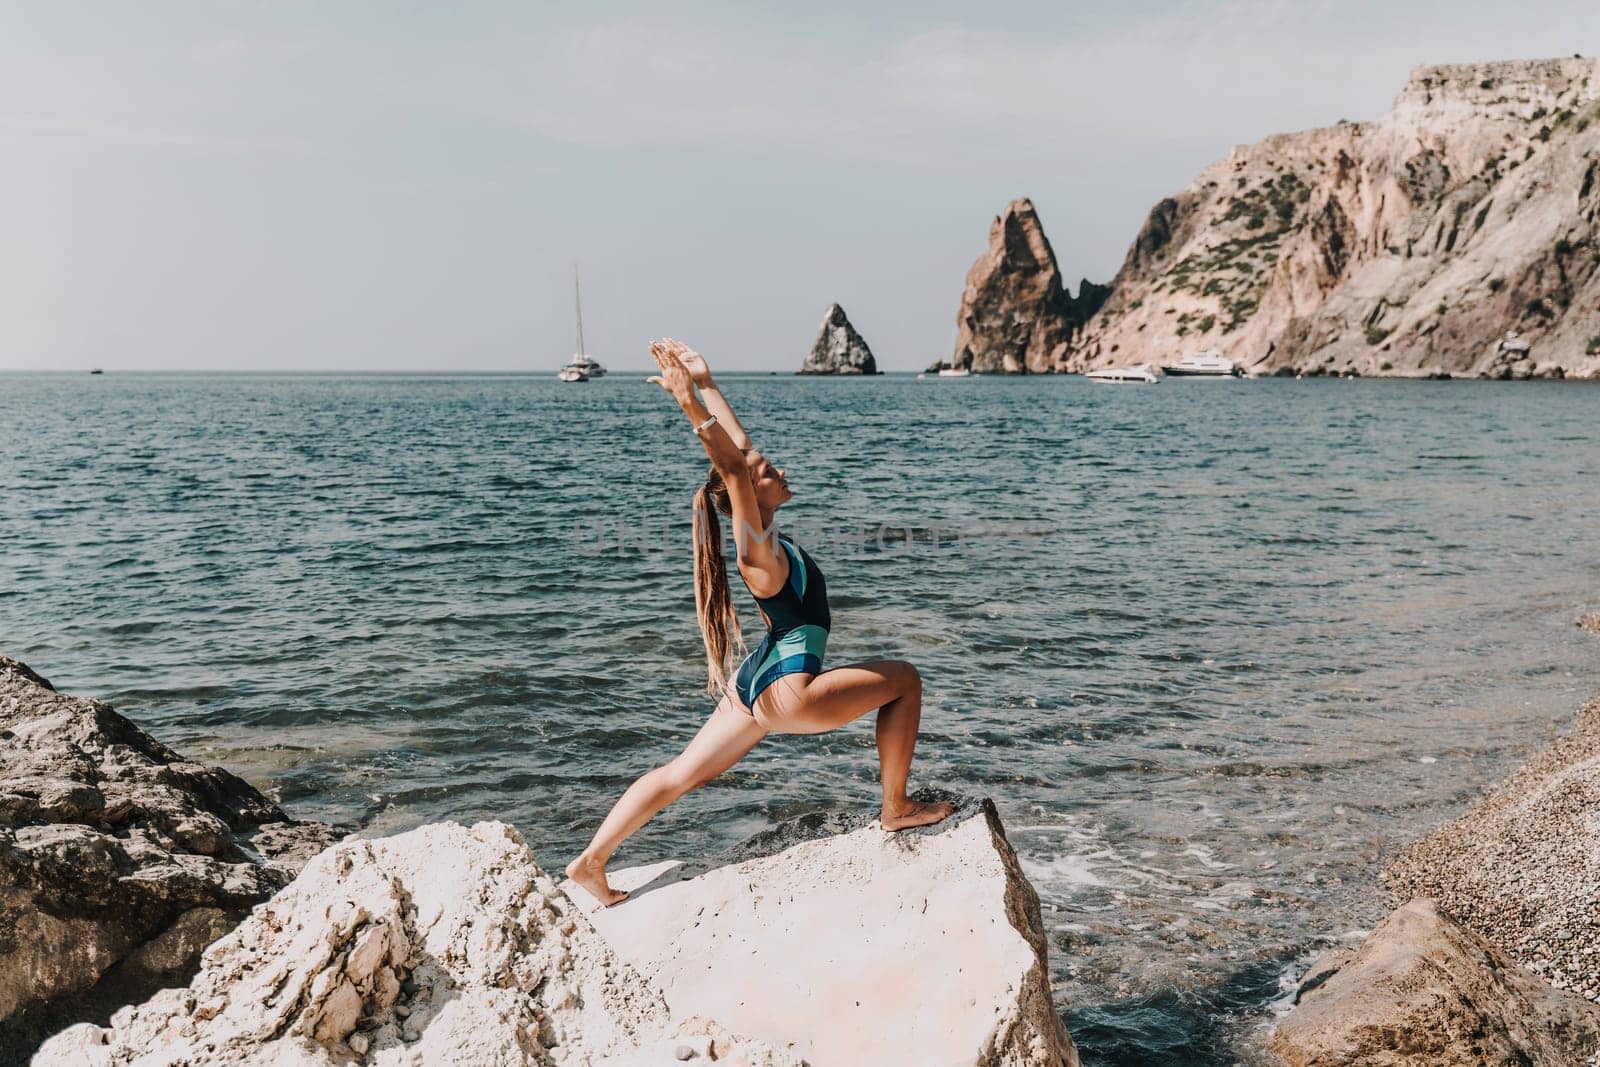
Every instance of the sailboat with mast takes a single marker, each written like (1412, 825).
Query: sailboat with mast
(583, 366)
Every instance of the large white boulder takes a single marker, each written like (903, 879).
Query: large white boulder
(856, 946)
(445, 945)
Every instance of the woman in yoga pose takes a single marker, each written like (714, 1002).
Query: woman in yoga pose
(781, 686)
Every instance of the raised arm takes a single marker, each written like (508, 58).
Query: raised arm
(712, 397)
(762, 565)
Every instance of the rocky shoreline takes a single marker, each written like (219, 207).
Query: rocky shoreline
(119, 860)
(152, 914)
(1493, 952)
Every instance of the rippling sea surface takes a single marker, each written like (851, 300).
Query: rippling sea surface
(1212, 647)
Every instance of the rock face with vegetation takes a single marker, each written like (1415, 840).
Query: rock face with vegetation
(846, 944)
(1015, 315)
(445, 945)
(1412, 245)
(839, 349)
(119, 860)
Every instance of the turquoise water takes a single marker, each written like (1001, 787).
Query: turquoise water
(1210, 646)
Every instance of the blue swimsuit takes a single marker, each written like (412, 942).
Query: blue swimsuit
(797, 628)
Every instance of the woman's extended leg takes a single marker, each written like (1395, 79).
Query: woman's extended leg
(724, 739)
(812, 704)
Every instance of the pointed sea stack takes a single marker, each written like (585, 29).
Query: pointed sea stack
(839, 349)
(1015, 316)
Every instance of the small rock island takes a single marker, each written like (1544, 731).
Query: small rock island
(838, 349)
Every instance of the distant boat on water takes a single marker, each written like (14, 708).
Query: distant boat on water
(96, 370)
(1514, 343)
(582, 366)
(1139, 374)
(955, 372)
(1209, 364)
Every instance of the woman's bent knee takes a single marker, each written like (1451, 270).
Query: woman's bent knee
(910, 677)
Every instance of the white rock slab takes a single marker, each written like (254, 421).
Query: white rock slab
(865, 947)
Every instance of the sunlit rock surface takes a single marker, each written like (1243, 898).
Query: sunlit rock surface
(445, 945)
(850, 945)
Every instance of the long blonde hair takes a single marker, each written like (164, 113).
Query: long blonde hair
(719, 625)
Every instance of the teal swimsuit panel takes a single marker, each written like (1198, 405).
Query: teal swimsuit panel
(798, 619)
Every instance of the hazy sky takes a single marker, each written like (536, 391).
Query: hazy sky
(383, 185)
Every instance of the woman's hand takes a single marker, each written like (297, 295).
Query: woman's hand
(692, 361)
(674, 376)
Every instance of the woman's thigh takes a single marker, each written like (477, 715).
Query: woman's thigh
(816, 703)
(727, 735)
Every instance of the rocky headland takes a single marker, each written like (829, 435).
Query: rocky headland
(119, 860)
(1457, 236)
(838, 349)
(1493, 955)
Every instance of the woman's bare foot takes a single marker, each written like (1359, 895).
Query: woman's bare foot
(592, 876)
(915, 813)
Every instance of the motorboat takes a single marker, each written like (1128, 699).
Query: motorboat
(1138, 374)
(954, 372)
(1514, 344)
(1209, 364)
(582, 366)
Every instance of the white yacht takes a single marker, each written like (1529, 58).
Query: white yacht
(1514, 343)
(1138, 374)
(1208, 364)
(583, 366)
(954, 372)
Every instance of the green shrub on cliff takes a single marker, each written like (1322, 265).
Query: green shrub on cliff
(1593, 348)
(1376, 335)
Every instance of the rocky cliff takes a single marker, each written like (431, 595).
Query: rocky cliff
(1015, 314)
(119, 860)
(838, 349)
(1407, 246)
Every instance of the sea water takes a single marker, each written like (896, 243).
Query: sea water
(1211, 646)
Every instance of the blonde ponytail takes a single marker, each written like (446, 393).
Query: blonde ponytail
(719, 625)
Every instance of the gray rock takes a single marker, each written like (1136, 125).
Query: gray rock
(119, 860)
(1423, 991)
(838, 349)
